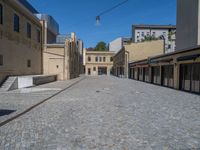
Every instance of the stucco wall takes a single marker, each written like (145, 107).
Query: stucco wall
(139, 51)
(134, 52)
(62, 59)
(53, 61)
(91, 64)
(93, 56)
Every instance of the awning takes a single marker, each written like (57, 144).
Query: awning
(142, 65)
(189, 57)
(160, 61)
(153, 62)
(166, 60)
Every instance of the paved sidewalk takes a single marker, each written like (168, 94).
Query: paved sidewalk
(108, 113)
(15, 102)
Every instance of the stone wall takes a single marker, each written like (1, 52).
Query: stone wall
(15, 47)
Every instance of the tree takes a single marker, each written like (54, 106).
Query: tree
(101, 46)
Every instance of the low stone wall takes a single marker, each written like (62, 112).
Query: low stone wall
(17, 82)
(44, 79)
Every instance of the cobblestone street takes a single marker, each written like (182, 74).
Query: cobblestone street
(104, 113)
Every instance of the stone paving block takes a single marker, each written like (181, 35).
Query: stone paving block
(107, 113)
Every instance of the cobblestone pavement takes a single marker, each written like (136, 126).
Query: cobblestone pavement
(19, 100)
(108, 113)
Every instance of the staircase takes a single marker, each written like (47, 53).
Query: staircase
(9, 84)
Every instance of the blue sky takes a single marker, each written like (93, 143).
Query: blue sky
(79, 16)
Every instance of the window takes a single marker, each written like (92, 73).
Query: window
(28, 30)
(16, 23)
(94, 69)
(89, 58)
(142, 34)
(29, 63)
(1, 60)
(195, 72)
(104, 59)
(97, 59)
(187, 72)
(154, 34)
(111, 59)
(100, 59)
(38, 36)
(1, 14)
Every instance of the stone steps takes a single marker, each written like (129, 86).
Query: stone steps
(13, 83)
(7, 85)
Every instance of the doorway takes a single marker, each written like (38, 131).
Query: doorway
(190, 77)
(102, 70)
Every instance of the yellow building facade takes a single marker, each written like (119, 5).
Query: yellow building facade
(178, 70)
(98, 63)
(28, 44)
(20, 40)
(134, 52)
(62, 59)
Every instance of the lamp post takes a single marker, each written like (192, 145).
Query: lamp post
(163, 38)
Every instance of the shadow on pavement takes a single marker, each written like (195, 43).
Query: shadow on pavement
(4, 112)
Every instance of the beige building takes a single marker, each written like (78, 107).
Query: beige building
(61, 53)
(29, 44)
(134, 52)
(20, 40)
(98, 62)
(62, 59)
(179, 70)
